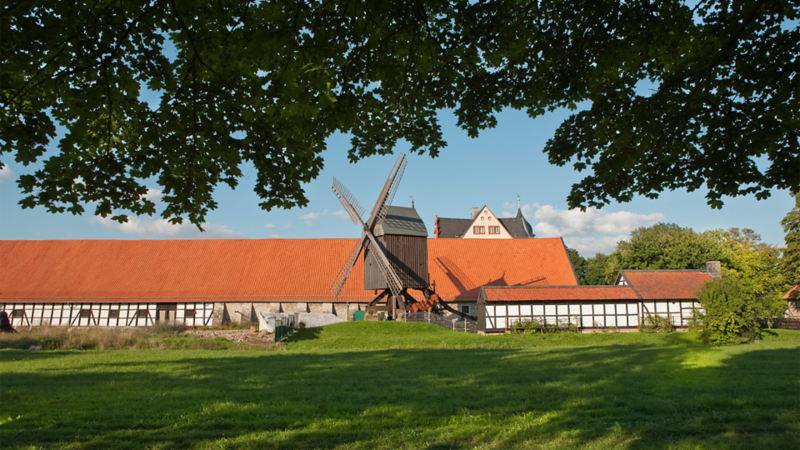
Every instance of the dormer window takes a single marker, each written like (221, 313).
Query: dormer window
(479, 230)
(494, 230)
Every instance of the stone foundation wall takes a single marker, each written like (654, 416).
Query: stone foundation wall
(248, 311)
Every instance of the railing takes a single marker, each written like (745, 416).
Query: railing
(455, 324)
(284, 326)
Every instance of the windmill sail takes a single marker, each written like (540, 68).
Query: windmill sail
(349, 200)
(387, 193)
(344, 272)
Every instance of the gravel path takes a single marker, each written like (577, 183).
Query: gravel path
(246, 336)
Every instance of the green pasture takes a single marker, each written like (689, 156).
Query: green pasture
(402, 385)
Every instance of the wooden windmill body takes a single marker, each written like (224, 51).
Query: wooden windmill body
(403, 238)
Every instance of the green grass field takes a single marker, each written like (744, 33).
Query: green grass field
(402, 385)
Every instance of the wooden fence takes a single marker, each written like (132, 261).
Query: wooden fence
(453, 324)
(786, 324)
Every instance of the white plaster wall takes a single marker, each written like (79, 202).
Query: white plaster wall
(486, 219)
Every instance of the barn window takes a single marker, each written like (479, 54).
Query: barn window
(478, 230)
(85, 314)
(189, 314)
(465, 309)
(142, 314)
(17, 313)
(113, 314)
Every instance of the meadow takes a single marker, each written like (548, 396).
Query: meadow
(392, 385)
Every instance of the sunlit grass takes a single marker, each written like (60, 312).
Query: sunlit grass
(389, 385)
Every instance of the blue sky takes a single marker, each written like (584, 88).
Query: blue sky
(491, 170)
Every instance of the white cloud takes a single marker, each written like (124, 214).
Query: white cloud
(154, 195)
(589, 246)
(340, 214)
(270, 226)
(312, 217)
(588, 232)
(6, 175)
(286, 226)
(511, 209)
(162, 229)
(592, 222)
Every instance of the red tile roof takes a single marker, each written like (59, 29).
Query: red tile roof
(256, 269)
(793, 294)
(666, 284)
(555, 293)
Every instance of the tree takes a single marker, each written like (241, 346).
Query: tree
(731, 313)
(754, 265)
(664, 246)
(578, 264)
(790, 260)
(268, 82)
(595, 270)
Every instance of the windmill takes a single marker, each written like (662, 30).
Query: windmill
(394, 243)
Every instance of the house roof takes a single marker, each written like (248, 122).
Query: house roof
(255, 269)
(555, 293)
(453, 228)
(665, 284)
(517, 227)
(793, 294)
(401, 221)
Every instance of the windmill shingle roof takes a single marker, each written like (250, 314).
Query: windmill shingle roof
(255, 269)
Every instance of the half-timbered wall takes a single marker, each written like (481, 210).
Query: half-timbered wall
(585, 315)
(502, 316)
(102, 314)
(679, 312)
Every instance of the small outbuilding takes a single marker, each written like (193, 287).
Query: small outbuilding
(793, 297)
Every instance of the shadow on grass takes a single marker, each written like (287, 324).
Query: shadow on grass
(616, 396)
(306, 334)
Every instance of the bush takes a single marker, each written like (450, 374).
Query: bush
(655, 324)
(731, 312)
(533, 326)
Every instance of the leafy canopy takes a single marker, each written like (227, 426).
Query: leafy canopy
(790, 260)
(664, 246)
(754, 265)
(268, 82)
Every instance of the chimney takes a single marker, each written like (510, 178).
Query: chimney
(475, 212)
(713, 269)
(436, 227)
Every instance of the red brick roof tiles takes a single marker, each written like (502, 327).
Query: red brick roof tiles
(666, 284)
(255, 269)
(556, 293)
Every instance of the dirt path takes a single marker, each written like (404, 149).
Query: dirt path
(245, 336)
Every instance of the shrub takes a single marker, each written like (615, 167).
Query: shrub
(731, 312)
(533, 326)
(655, 324)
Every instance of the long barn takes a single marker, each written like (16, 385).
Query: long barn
(207, 282)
